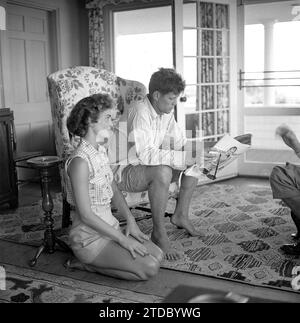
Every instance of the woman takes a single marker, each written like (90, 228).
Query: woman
(95, 236)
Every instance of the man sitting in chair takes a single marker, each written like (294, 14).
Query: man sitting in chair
(285, 184)
(157, 154)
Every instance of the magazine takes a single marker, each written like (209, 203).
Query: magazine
(223, 153)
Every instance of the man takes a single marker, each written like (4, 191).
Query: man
(157, 155)
(285, 183)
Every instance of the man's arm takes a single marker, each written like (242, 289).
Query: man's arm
(289, 137)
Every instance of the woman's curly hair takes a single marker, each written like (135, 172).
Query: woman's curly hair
(87, 111)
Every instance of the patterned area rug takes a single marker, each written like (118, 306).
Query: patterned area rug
(244, 231)
(28, 286)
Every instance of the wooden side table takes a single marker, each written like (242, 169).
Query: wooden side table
(43, 164)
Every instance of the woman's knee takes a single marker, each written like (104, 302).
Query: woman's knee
(150, 268)
(158, 254)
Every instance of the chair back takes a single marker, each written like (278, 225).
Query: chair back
(68, 86)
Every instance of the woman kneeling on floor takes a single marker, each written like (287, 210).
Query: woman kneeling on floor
(95, 236)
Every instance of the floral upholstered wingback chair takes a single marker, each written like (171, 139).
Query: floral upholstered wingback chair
(66, 88)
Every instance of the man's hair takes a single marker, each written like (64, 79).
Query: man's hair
(166, 80)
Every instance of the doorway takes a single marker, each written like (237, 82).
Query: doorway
(32, 56)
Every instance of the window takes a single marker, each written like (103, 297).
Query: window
(254, 62)
(271, 47)
(206, 61)
(287, 57)
(143, 42)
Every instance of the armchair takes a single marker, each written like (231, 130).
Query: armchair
(66, 88)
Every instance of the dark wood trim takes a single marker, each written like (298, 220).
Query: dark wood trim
(9, 188)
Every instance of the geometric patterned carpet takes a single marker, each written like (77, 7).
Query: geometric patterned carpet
(243, 233)
(27, 286)
(244, 230)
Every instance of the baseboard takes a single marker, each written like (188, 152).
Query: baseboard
(220, 179)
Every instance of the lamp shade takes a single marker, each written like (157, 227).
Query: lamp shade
(2, 18)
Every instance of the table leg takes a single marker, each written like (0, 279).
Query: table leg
(50, 240)
(63, 245)
(33, 261)
(47, 205)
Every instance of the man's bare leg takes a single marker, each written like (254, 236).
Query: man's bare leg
(160, 179)
(180, 217)
(294, 204)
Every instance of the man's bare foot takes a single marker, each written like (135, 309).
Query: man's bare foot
(289, 137)
(164, 243)
(184, 223)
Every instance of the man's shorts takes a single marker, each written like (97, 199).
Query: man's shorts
(285, 181)
(134, 179)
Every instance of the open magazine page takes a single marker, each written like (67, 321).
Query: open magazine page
(224, 152)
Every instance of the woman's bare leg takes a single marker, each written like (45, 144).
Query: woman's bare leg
(116, 261)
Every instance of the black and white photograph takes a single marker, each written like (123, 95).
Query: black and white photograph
(149, 155)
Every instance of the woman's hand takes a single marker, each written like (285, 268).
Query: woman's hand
(133, 230)
(133, 246)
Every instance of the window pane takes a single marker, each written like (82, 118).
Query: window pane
(192, 102)
(222, 16)
(254, 48)
(286, 45)
(223, 122)
(206, 15)
(222, 96)
(192, 125)
(222, 43)
(137, 35)
(207, 43)
(189, 15)
(207, 97)
(190, 70)
(222, 70)
(286, 57)
(208, 123)
(207, 70)
(190, 42)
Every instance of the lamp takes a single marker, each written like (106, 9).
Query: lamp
(2, 18)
